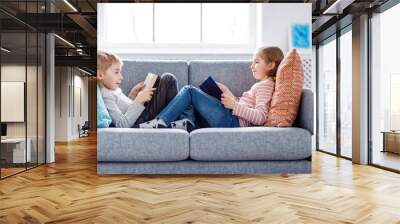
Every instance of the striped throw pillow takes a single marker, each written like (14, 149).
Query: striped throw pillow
(287, 95)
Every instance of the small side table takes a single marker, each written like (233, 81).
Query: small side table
(17, 150)
(391, 141)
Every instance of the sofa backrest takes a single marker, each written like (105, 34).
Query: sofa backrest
(236, 75)
(135, 71)
(305, 116)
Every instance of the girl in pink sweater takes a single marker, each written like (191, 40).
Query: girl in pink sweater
(250, 109)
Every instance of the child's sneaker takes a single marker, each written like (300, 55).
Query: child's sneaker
(155, 123)
(184, 124)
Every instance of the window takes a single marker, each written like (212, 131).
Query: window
(385, 88)
(327, 97)
(177, 23)
(394, 101)
(176, 26)
(335, 107)
(232, 28)
(126, 24)
(346, 94)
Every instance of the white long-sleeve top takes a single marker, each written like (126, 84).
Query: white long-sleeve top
(123, 111)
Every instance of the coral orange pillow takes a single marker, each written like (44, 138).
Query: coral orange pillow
(288, 87)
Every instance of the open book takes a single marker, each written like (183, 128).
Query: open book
(150, 80)
(210, 87)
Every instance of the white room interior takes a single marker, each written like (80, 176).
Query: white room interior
(266, 24)
(71, 102)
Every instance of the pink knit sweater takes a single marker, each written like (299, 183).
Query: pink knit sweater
(252, 107)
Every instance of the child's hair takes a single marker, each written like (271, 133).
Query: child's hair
(106, 59)
(271, 54)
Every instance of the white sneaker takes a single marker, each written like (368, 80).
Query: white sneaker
(184, 124)
(155, 123)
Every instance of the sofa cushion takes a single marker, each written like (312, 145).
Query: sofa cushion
(236, 75)
(288, 87)
(141, 145)
(250, 143)
(135, 71)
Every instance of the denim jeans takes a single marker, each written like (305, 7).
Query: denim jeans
(208, 107)
(166, 90)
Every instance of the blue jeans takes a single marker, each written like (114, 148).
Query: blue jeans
(208, 107)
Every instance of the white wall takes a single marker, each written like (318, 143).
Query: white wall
(14, 72)
(275, 20)
(79, 117)
(62, 81)
(69, 82)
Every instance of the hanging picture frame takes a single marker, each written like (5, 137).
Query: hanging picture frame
(300, 38)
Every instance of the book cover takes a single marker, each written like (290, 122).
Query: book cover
(210, 87)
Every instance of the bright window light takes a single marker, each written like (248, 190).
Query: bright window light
(183, 24)
(129, 23)
(177, 23)
(231, 28)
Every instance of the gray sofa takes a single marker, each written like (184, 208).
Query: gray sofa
(207, 150)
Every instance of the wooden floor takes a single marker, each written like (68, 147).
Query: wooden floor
(5, 172)
(70, 191)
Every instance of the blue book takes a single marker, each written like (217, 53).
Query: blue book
(210, 87)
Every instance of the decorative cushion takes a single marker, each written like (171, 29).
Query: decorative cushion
(288, 87)
(103, 118)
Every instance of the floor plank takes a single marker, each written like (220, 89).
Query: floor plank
(70, 191)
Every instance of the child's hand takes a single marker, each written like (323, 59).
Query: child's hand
(222, 87)
(228, 101)
(144, 95)
(225, 89)
(136, 89)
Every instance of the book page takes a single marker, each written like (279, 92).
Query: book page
(150, 80)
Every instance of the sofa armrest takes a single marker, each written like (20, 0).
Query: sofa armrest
(305, 115)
